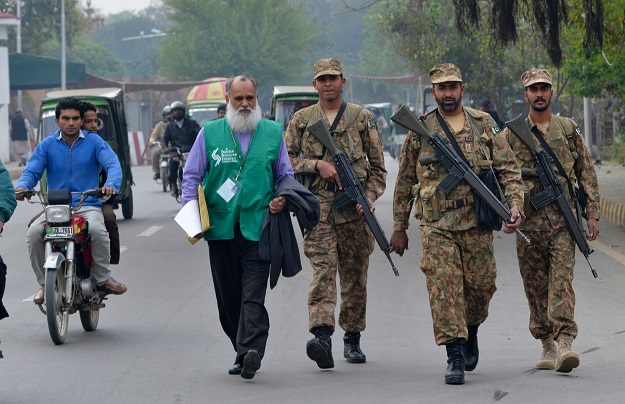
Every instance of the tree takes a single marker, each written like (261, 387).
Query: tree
(140, 56)
(269, 39)
(97, 59)
(41, 21)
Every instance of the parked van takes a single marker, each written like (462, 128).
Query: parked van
(287, 100)
(111, 127)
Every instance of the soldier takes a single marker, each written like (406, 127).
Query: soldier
(547, 263)
(457, 259)
(341, 240)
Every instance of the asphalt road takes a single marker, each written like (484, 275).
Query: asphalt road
(161, 342)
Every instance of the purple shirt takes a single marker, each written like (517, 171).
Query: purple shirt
(197, 163)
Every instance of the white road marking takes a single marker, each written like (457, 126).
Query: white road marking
(148, 232)
(122, 249)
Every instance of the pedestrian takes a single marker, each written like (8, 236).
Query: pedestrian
(72, 159)
(547, 263)
(341, 242)
(157, 136)
(486, 106)
(221, 111)
(21, 136)
(457, 260)
(7, 207)
(239, 161)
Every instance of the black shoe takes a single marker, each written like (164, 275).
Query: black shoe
(455, 362)
(319, 348)
(251, 363)
(235, 369)
(351, 350)
(473, 353)
(156, 176)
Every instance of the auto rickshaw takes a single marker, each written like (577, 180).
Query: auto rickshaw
(112, 128)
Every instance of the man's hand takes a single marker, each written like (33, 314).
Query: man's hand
(328, 172)
(277, 204)
(399, 242)
(19, 195)
(360, 210)
(593, 229)
(515, 219)
(108, 191)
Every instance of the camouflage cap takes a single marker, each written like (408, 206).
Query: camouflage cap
(445, 72)
(534, 76)
(327, 66)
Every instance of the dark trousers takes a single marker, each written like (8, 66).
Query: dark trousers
(3, 279)
(240, 280)
(110, 222)
(173, 167)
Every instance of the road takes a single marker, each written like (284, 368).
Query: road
(161, 342)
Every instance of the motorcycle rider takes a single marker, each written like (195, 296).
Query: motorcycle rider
(157, 136)
(180, 132)
(72, 159)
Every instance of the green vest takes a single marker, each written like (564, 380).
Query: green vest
(250, 204)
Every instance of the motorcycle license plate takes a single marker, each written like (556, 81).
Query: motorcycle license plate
(59, 232)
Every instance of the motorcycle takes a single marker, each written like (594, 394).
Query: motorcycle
(181, 158)
(69, 286)
(163, 165)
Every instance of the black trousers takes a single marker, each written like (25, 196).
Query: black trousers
(3, 279)
(240, 280)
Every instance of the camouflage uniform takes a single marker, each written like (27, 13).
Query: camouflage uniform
(341, 240)
(547, 263)
(457, 256)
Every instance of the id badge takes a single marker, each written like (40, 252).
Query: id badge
(228, 189)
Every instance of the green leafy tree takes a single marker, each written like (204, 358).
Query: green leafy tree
(133, 37)
(97, 59)
(269, 39)
(41, 21)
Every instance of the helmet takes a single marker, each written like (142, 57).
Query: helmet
(166, 110)
(178, 105)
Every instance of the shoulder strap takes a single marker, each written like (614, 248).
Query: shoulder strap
(555, 160)
(450, 136)
(339, 114)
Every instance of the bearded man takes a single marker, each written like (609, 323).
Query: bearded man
(239, 161)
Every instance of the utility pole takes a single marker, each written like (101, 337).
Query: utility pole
(19, 46)
(63, 45)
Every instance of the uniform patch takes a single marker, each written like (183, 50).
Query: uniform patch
(371, 124)
(496, 129)
(578, 130)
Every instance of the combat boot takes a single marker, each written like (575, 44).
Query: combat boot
(567, 360)
(455, 362)
(473, 353)
(351, 350)
(548, 357)
(319, 348)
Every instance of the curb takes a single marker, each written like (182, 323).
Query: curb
(15, 173)
(614, 212)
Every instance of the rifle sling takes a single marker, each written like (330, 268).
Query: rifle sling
(555, 160)
(452, 139)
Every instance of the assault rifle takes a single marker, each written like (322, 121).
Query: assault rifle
(552, 188)
(352, 189)
(456, 166)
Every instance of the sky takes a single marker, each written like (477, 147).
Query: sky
(115, 6)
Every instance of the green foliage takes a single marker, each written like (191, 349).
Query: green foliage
(41, 21)
(269, 39)
(140, 56)
(97, 59)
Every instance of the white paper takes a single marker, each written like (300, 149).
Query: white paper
(189, 218)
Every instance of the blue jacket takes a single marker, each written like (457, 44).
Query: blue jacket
(76, 168)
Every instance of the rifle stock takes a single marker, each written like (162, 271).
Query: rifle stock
(552, 188)
(457, 168)
(353, 191)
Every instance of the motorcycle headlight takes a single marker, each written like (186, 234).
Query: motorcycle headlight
(58, 214)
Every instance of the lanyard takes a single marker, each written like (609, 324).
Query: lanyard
(239, 151)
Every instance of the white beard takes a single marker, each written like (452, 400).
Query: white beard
(243, 123)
